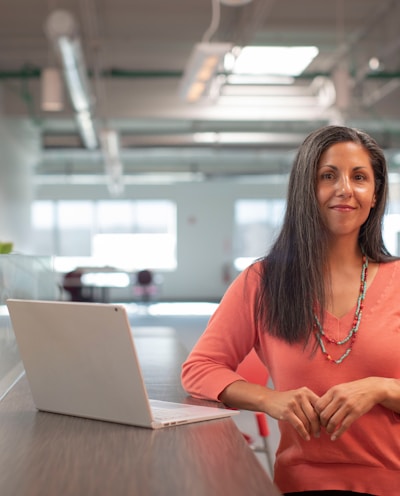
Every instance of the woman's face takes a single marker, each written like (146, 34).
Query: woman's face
(345, 188)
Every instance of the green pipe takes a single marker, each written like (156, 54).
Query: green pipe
(35, 72)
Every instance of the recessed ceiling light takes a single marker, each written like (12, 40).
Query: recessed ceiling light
(274, 60)
(374, 64)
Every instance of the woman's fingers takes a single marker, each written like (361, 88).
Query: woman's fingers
(341, 405)
(297, 409)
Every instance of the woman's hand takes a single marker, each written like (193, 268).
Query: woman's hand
(344, 403)
(297, 408)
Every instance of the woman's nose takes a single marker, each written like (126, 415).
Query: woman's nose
(344, 187)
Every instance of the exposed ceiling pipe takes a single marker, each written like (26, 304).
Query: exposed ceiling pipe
(109, 137)
(62, 30)
(375, 96)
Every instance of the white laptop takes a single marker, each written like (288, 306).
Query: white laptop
(80, 359)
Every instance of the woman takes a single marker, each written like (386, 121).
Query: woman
(322, 311)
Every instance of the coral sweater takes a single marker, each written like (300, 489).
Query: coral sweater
(366, 458)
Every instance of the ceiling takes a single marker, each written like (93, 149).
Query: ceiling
(136, 52)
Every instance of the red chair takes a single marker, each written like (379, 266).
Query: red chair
(253, 370)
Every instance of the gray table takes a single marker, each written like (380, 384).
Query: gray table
(47, 454)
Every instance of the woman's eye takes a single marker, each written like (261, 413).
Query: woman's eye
(327, 175)
(359, 177)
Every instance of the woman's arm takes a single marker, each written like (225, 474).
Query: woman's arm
(230, 335)
(391, 388)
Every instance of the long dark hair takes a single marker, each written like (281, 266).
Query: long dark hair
(293, 271)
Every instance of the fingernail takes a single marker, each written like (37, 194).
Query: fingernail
(333, 437)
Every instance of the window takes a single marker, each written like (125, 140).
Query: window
(73, 225)
(43, 222)
(391, 228)
(129, 235)
(256, 224)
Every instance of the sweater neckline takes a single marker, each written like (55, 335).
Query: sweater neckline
(373, 291)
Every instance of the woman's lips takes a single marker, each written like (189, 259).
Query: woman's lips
(342, 208)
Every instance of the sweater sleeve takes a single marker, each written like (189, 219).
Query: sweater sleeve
(230, 335)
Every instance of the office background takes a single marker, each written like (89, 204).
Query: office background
(206, 158)
(88, 177)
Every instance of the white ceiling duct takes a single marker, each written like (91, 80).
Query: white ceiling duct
(62, 31)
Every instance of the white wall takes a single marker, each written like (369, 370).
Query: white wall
(205, 228)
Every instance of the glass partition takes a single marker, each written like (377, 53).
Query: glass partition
(22, 277)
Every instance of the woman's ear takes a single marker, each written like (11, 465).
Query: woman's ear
(373, 203)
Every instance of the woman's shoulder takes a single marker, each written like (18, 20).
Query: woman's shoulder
(254, 270)
(249, 277)
(388, 272)
(390, 265)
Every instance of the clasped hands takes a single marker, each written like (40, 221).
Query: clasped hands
(334, 411)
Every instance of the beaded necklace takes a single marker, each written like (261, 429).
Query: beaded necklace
(350, 338)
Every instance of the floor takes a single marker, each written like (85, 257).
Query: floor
(189, 321)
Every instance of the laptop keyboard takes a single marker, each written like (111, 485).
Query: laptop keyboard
(168, 414)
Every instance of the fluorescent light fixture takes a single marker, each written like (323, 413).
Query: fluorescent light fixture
(201, 69)
(62, 30)
(270, 102)
(114, 172)
(236, 138)
(274, 60)
(110, 144)
(258, 79)
(113, 166)
(86, 129)
(75, 73)
(267, 90)
(315, 99)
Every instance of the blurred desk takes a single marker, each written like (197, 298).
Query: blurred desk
(46, 454)
(103, 282)
(85, 284)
